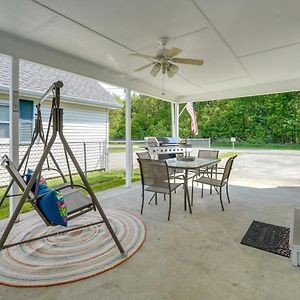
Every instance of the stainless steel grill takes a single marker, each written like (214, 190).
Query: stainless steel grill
(166, 147)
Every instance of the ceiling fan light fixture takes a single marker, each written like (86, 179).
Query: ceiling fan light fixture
(164, 59)
(156, 68)
(172, 70)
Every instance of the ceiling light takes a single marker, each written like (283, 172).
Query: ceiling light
(156, 68)
(172, 70)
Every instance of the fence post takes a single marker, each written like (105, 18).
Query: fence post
(106, 154)
(209, 143)
(84, 154)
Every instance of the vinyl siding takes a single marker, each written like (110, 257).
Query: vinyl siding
(81, 123)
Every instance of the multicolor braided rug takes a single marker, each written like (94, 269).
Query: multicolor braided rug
(71, 256)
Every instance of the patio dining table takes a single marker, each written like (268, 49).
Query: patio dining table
(198, 163)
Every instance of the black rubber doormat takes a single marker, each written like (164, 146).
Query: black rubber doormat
(268, 237)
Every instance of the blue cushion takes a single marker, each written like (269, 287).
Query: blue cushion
(43, 188)
(28, 177)
(48, 204)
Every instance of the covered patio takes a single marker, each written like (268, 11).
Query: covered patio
(199, 256)
(248, 48)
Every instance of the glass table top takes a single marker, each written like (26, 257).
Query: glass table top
(196, 164)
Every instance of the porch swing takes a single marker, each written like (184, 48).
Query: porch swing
(76, 201)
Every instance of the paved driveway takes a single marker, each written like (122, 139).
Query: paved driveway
(257, 168)
(266, 170)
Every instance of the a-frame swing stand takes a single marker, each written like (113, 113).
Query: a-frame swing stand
(77, 203)
(38, 135)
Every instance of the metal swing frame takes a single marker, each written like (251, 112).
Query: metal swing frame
(57, 123)
(38, 133)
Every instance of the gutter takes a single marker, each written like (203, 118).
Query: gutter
(66, 99)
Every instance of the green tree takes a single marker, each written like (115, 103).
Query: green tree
(258, 119)
(150, 117)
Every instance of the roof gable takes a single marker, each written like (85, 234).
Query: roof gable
(37, 78)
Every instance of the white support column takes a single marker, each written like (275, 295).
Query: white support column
(107, 141)
(128, 137)
(173, 118)
(176, 120)
(14, 124)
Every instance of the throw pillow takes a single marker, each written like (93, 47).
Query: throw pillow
(53, 207)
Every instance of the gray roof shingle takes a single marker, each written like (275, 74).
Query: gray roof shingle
(36, 78)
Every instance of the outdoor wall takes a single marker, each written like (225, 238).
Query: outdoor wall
(82, 123)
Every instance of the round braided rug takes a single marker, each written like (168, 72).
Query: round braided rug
(70, 256)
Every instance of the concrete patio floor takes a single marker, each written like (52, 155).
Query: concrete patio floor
(199, 256)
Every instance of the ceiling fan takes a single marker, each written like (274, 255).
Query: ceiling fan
(164, 60)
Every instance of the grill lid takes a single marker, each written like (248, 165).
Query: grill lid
(162, 141)
(168, 140)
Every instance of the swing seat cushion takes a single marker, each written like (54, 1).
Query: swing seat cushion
(54, 208)
(27, 179)
(43, 188)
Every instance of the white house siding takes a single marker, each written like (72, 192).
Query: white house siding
(82, 123)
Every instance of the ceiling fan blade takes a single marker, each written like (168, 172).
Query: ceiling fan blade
(174, 51)
(144, 67)
(142, 55)
(188, 61)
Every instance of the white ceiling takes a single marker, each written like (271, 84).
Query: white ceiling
(249, 47)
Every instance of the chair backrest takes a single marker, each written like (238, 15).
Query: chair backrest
(228, 168)
(208, 153)
(143, 155)
(154, 173)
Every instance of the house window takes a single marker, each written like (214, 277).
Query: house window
(4, 122)
(25, 121)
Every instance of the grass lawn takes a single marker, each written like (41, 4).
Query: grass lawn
(99, 181)
(116, 150)
(121, 149)
(228, 154)
(243, 145)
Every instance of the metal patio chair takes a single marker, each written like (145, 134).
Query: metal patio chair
(143, 155)
(215, 182)
(208, 154)
(173, 173)
(146, 155)
(203, 153)
(156, 179)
